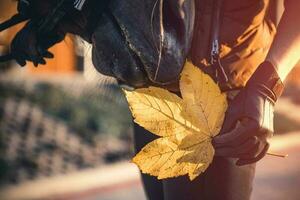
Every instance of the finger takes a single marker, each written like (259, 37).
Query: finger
(233, 114)
(241, 162)
(43, 53)
(256, 150)
(235, 137)
(35, 60)
(247, 146)
(235, 152)
(20, 60)
(47, 54)
(230, 121)
(253, 152)
(35, 63)
(38, 58)
(41, 61)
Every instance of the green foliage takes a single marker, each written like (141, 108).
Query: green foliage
(96, 112)
(4, 168)
(90, 114)
(3, 165)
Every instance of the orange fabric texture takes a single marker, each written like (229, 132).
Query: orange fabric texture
(246, 35)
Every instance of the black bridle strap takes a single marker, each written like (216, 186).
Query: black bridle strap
(48, 24)
(14, 20)
(6, 58)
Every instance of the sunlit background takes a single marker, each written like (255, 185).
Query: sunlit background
(66, 131)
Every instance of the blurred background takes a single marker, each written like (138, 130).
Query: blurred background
(66, 131)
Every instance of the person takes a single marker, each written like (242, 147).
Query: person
(252, 60)
(233, 40)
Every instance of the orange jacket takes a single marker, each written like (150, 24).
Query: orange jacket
(246, 34)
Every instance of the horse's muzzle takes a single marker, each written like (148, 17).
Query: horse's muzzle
(144, 43)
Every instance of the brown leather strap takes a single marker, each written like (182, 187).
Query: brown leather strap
(267, 75)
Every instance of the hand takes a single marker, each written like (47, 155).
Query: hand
(249, 118)
(29, 46)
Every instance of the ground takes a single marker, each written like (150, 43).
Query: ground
(276, 178)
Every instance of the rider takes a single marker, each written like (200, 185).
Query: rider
(236, 43)
(240, 47)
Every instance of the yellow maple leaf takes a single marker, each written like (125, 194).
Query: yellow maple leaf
(185, 125)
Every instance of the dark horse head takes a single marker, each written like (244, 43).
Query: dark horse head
(139, 42)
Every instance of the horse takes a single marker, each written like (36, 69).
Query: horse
(140, 43)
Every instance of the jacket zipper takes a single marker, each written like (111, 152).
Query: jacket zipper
(215, 43)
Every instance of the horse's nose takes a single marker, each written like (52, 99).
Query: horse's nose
(130, 75)
(125, 69)
(112, 56)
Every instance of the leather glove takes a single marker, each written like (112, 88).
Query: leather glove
(29, 46)
(249, 118)
(32, 43)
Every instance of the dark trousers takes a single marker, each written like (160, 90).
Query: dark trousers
(222, 181)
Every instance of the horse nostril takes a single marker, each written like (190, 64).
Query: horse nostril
(131, 78)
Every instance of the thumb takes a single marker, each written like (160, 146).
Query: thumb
(229, 123)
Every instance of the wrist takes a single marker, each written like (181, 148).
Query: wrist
(267, 78)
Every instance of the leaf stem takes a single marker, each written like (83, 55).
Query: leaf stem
(277, 155)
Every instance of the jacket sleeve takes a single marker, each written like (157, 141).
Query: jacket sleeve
(284, 52)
